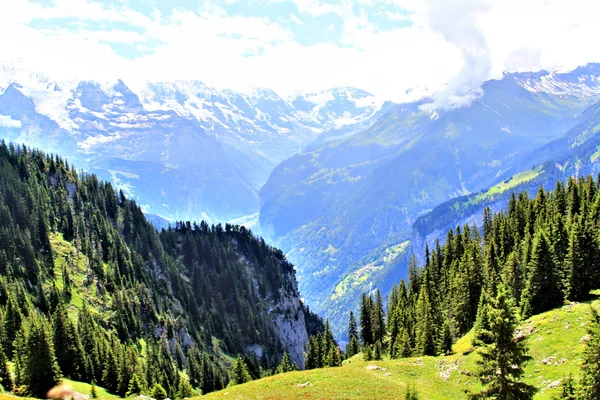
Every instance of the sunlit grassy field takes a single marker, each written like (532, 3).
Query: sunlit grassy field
(555, 341)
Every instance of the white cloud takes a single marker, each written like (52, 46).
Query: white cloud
(457, 23)
(296, 20)
(397, 16)
(212, 46)
(7, 122)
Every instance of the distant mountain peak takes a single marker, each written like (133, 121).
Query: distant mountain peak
(583, 81)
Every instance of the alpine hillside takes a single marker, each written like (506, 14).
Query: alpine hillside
(112, 301)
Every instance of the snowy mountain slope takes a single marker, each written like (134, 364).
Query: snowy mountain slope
(182, 149)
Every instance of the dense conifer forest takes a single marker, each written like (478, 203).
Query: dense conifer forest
(531, 258)
(545, 250)
(89, 290)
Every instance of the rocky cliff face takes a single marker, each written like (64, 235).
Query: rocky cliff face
(288, 316)
(291, 327)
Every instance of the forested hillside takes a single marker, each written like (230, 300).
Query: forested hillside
(544, 250)
(89, 290)
(494, 312)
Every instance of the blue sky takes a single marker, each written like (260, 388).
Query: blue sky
(387, 47)
(308, 24)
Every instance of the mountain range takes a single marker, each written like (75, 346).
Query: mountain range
(348, 186)
(183, 150)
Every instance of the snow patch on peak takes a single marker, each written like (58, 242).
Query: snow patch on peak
(319, 99)
(581, 82)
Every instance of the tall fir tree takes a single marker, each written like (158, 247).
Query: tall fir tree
(312, 357)
(501, 364)
(426, 334)
(353, 346)
(366, 324)
(5, 378)
(40, 370)
(377, 318)
(239, 371)
(69, 352)
(482, 327)
(542, 292)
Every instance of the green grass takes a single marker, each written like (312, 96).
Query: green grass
(353, 380)
(66, 255)
(86, 389)
(510, 183)
(596, 155)
(553, 337)
(6, 396)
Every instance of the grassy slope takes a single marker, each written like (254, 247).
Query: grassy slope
(66, 255)
(510, 183)
(86, 389)
(554, 341)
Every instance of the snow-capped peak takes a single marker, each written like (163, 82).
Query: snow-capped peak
(581, 82)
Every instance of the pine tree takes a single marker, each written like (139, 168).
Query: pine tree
(158, 392)
(111, 373)
(578, 280)
(353, 346)
(446, 341)
(426, 335)
(328, 344)
(185, 389)
(482, 327)
(334, 358)
(5, 379)
(377, 351)
(568, 389)
(239, 372)
(93, 391)
(352, 327)
(460, 302)
(41, 372)
(378, 320)
(590, 381)
(285, 365)
(513, 276)
(312, 358)
(12, 322)
(69, 353)
(542, 292)
(20, 360)
(135, 385)
(404, 348)
(501, 366)
(367, 353)
(366, 325)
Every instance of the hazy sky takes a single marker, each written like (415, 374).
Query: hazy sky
(387, 47)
